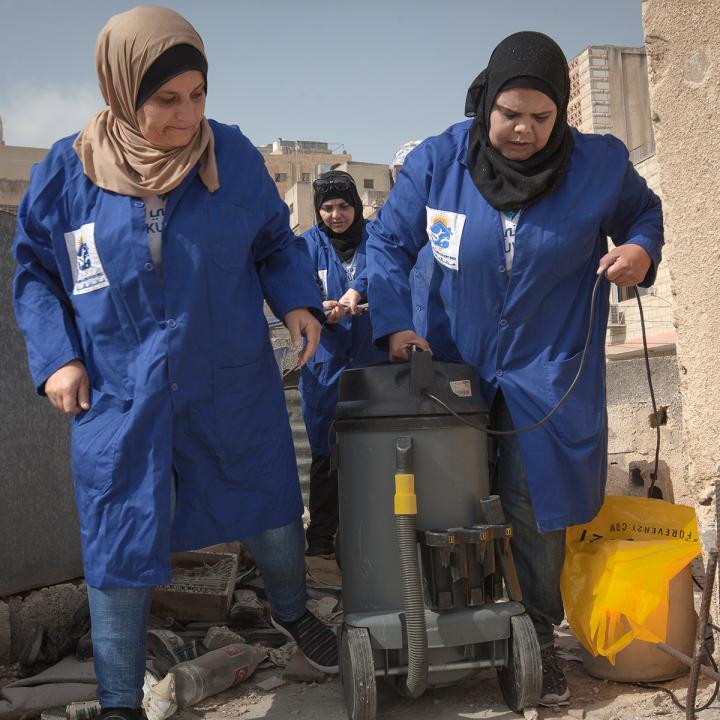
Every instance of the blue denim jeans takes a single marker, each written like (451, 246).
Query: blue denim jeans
(119, 615)
(538, 556)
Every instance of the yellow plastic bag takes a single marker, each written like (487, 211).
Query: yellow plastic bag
(618, 567)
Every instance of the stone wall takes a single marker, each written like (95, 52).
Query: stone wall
(682, 39)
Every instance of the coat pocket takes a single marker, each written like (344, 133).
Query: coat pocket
(573, 244)
(249, 405)
(582, 415)
(96, 435)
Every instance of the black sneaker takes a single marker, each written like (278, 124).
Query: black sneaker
(121, 713)
(317, 642)
(320, 547)
(555, 689)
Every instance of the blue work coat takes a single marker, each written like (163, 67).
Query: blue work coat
(524, 333)
(347, 344)
(183, 379)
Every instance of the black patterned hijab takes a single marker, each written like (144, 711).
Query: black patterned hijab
(530, 60)
(346, 243)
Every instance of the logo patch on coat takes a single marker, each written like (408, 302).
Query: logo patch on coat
(88, 272)
(322, 283)
(444, 231)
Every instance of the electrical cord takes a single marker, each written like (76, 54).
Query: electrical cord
(554, 409)
(653, 478)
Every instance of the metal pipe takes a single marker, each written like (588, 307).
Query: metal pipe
(687, 660)
(440, 667)
(700, 635)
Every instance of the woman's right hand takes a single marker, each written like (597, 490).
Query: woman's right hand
(68, 388)
(400, 343)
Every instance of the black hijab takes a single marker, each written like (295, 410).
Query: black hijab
(346, 243)
(529, 60)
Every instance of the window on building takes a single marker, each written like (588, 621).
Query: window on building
(280, 177)
(368, 184)
(306, 177)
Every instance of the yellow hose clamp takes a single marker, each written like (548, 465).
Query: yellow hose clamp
(405, 498)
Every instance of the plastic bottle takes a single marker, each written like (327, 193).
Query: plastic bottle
(215, 671)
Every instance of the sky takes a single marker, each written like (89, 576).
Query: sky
(365, 75)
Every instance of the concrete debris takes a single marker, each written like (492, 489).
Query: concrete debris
(531, 714)
(299, 670)
(247, 607)
(57, 610)
(324, 608)
(271, 683)
(281, 656)
(217, 637)
(576, 713)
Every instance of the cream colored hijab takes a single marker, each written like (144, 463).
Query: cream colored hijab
(113, 151)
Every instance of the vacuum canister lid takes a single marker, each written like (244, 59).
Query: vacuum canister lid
(400, 389)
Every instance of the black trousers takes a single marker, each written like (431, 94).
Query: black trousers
(323, 504)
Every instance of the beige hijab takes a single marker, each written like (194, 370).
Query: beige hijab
(113, 151)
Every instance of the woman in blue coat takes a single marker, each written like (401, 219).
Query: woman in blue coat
(145, 247)
(517, 207)
(337, 250)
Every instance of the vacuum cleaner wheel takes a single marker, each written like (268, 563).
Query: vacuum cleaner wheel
(521, 679)
(357, 671)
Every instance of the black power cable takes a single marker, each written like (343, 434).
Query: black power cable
(654, 477)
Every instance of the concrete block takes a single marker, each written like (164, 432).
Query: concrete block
(39, 534)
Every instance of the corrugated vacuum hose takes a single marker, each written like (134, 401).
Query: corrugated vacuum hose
(412, 594)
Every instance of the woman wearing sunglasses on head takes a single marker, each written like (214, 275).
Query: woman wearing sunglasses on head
(145, 247)
(337, 248)
(517, 207)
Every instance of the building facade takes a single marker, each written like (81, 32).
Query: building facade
(609, 93)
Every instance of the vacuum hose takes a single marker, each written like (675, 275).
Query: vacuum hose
(413, 603)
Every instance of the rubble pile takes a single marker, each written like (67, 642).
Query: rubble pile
(209, 631)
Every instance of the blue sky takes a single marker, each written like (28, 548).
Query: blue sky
(370, 75)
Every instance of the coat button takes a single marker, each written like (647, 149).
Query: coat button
(501, 268)
(503, 322)
(499, 373)
(171, 323)
(149, 266)
(174, 387)
(139, 203)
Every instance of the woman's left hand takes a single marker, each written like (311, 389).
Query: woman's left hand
(625, 265)
(302, 324)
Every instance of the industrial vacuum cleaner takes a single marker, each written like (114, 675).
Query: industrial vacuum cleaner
(430, 592)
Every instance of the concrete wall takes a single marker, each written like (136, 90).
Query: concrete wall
(631, 439)
(39, 532)
(15, 164)
(299, 198)
(682, 38)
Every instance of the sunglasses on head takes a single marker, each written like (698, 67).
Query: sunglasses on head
(341, 183)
